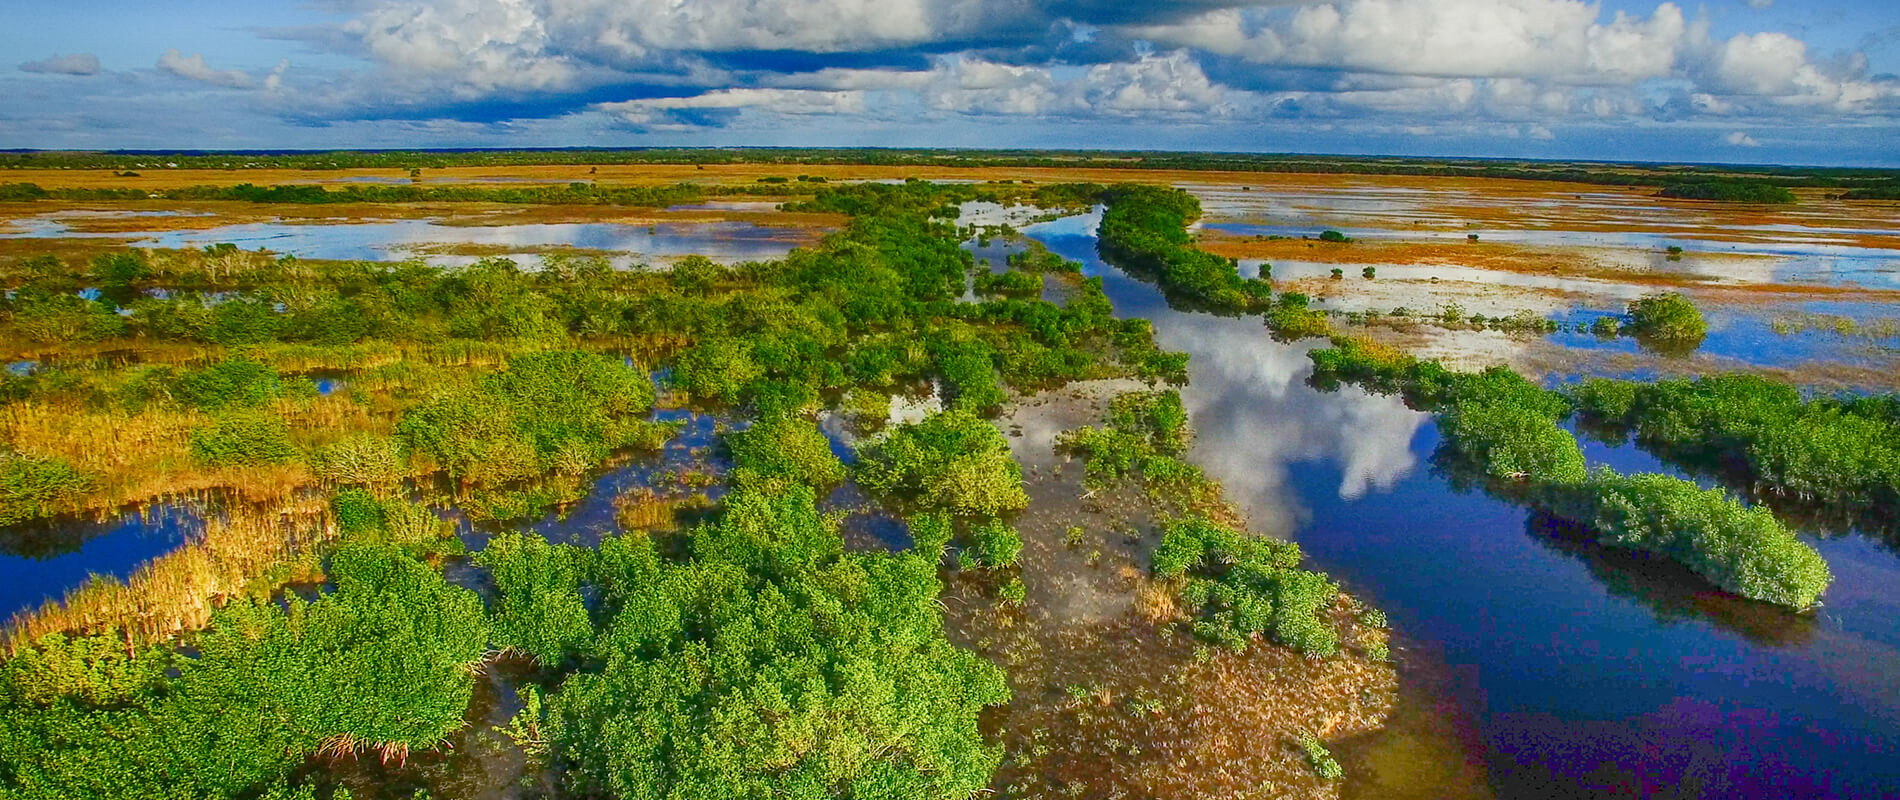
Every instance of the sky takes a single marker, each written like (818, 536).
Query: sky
(1736, 81)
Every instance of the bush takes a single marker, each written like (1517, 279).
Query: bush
(1511, 442)
(32, 487)
(1667, 317)
(716, 370)
(1240, 585)
(1730, 191)
(386, 660)
(995, 543)
(539, 611)
(243, 440)
(790, 448)
(232, 383)
(1738, 548)
(720, 677)
(363, 460)
(953, 461)
(562, 412)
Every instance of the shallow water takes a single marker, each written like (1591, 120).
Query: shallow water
(1569, 669)
(726, 241)
(42, 561)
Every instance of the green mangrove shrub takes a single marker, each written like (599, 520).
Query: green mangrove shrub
(32, 486)
(953, 461)
(789, 448)
(1742, 549)
(384, 661)
(721, 676)
(244, 439)
(1239, 585)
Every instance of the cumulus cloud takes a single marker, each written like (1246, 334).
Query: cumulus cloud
(1530, 70)
(1740, 139)
(74, 64)
(194, 68)
(1452, 38)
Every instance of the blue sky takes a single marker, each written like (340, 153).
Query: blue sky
(1725, 81)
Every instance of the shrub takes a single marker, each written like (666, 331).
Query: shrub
(243, 440)
(791, 448)
(1512, 442)
(32, 487)
(1667, 317)
(995, 543)
(954, 461)
(1334, 236)
(718, 678)
(1240, 585)
(362, 460)
(385, 660)
(1741, 549)
(716, 370)
(1321, 759)
(562, 412)
(1290, 319)
(539, 611)
(232, 383)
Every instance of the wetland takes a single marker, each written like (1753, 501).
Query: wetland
(925, 481)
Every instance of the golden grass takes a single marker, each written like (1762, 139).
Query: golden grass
(252, 552)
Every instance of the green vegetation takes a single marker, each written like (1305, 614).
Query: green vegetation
(1290, 319)
(770, 662)
(1729, 191)
(785, 448)
(558, 412)
(382, 662)
(1241, 585)
(1144, 230)
(1839, 454)
(243, 440)
(33, 487)
(1741, 549)
(1499, 425)
(953, 461)
(1321, 759)
(1667, 318)
(1145, 436)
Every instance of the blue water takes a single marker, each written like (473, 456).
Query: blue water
(42, 561)
(1581, 671)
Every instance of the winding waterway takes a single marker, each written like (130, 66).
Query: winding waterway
(1535, 666)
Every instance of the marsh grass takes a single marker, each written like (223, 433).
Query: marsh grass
(178, 591)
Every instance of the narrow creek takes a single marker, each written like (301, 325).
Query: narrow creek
(1534, 665)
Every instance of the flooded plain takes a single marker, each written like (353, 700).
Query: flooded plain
(727, 242)
(1563, 669)
(1531, 663)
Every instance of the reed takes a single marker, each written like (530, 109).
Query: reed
(253, 552)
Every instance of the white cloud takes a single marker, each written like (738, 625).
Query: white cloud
(1740, 139)
(74, 64)
(1759, 3)
(193, 67)
(1561, 39)
(660, 113)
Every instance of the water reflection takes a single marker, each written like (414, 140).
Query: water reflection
(724, 241)
(1590, 673)
(40, 561)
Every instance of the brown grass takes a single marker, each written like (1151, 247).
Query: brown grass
(178, 591)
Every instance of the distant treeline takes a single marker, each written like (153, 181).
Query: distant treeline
(1889, 191)
(1579, 172)
(564, 194)
(1729, 192)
